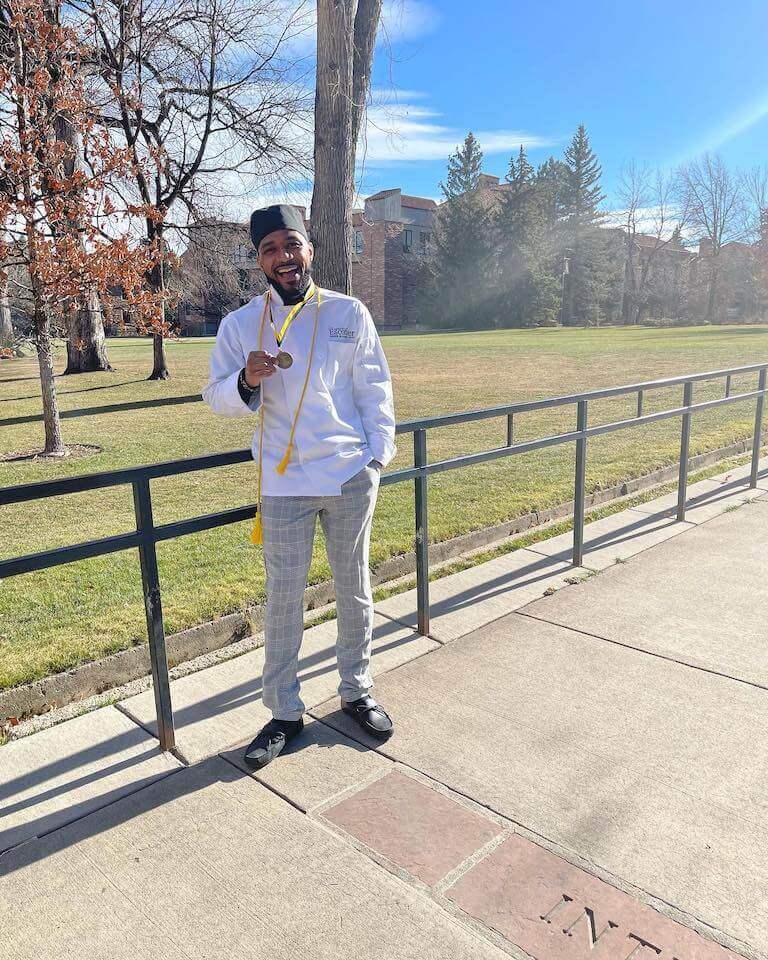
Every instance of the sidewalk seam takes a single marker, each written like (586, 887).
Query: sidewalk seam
(650, 653)
(664, 907)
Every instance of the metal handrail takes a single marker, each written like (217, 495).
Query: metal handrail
(147, 535)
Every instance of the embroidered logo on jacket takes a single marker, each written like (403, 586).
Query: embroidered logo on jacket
(341, 333)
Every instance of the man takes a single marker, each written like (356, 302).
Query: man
(310, 362)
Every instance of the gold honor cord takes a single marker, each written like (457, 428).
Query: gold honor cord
(257, 535)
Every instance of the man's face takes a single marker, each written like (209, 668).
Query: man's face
(286, 256)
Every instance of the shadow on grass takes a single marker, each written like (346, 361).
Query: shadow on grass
(108, 408)
(66, 393)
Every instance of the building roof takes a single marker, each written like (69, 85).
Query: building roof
(384, 193)
(419, 203)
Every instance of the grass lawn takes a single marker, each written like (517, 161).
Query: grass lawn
(55, 619)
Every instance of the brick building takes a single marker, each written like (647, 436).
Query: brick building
(390, 240)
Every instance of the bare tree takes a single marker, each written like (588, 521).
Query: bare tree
(712, 199)
(218, 268)
(202, 93)
(346, 36)
(754, 187)
(652, 226)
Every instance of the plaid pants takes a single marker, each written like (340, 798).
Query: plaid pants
(289, 530)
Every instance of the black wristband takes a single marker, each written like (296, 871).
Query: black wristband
(244, 389)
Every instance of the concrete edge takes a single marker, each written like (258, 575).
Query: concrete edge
(99, 678)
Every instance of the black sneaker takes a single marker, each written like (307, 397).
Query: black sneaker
(270, 741)
(371, 717)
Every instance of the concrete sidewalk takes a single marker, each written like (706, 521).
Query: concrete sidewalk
(579, 767)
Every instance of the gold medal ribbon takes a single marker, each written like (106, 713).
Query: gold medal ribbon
(257, 535)
(292, 313)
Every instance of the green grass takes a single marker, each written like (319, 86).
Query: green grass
(55, 619)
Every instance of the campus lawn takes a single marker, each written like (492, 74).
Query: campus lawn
(55, 619)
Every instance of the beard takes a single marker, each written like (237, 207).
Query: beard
(295, 295)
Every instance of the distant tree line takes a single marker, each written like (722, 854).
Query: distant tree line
(540, 248)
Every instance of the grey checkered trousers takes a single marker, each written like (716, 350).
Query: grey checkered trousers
(289, 528)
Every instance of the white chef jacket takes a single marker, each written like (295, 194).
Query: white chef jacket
(347, 418)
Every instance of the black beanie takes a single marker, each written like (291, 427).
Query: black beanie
(280, 216)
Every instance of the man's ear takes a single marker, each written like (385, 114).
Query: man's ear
(311, 250)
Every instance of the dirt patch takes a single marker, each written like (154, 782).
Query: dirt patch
(75, 451)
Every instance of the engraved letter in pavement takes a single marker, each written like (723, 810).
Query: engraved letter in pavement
(594, 937)
(560, 903)
(640, 944)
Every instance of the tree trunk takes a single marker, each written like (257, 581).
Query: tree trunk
(86, 344)
(6, 326)
(54, 443)
(331, 213)
(160, 369)
(346, 36)
(366, 26)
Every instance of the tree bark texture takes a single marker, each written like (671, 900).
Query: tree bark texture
(87, 345)
(366, 26)
(54, 442)
(331, 214)
(6, 326)
(160, 369)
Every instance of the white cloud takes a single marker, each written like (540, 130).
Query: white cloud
(402, 132)
(648, 220)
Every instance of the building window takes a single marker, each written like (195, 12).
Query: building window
(407, 240)
(358, 243)
(424, 238)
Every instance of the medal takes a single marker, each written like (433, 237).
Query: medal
(284, 359)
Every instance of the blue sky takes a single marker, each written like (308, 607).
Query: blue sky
(657, 82)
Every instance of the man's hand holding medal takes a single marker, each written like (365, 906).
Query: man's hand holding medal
(260, 364)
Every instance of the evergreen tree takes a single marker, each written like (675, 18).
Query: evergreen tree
(527, 292)
(521, 172)
(581, 219)
(583, 191)
(459, 285)
(464, 168)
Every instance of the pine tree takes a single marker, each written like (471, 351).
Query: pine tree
(581, 217)
(458, 288)
(521, 173)
(464, 168)
(527, 292)
(583, 193)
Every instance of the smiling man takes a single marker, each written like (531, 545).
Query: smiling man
(310, 363)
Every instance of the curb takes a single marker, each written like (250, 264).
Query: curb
(118, 669)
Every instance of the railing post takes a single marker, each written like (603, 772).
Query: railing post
(422, 535)
(578, 488)
(728, 385)
(685, 442)
(639, 403)
(756, 439)
(510, 429)
(152, 604)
